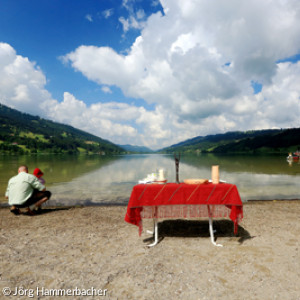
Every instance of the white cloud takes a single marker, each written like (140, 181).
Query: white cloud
(108, 13)
(125, 23)
(135, 19)
(107, 120)
(21, 82)
(155, 3)
(22, 86)
(106, 89)
(198, 60)
(114, 68)
(132, 22)
(89, 17)
(140, 14)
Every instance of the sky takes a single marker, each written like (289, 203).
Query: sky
(153, 73)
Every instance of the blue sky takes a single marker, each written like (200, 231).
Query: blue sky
(45, 30)
(152, 73)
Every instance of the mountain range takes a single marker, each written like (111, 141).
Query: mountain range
(136, 149)
(254, 141)
(21, 133)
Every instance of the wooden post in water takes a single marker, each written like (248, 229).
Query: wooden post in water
(177, 159)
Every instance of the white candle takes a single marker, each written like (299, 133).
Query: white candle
(215, 174)
(161, 174)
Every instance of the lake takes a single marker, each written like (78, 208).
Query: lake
(97, 180)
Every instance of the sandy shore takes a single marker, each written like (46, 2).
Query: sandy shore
(92, 248)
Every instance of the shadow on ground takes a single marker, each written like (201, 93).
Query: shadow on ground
(191, 228)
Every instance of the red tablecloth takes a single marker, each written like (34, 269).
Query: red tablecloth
(182, 200)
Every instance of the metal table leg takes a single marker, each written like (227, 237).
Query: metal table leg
(211, 230)
(155, 233)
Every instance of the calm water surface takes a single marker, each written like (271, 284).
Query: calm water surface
(94, 180)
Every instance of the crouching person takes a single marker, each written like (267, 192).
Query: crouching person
(25, 190)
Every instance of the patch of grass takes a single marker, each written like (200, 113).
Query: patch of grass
(32, 135)
(81, 150)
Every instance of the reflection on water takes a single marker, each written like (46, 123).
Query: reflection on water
(58, 169)
(100, 179)
(262, 177)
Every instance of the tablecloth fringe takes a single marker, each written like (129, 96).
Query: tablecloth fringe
(184, 211)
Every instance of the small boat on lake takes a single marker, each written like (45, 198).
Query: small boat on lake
(295, 156)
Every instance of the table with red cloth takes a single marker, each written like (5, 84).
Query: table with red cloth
(183, 200)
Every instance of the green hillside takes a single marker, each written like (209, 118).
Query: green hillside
(23, 134)
(255, 141)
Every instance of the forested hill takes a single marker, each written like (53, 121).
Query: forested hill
(255, 141)
(22, 133)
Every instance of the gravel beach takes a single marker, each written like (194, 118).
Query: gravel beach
(92, 253)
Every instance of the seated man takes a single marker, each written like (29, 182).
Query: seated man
(24, 190)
